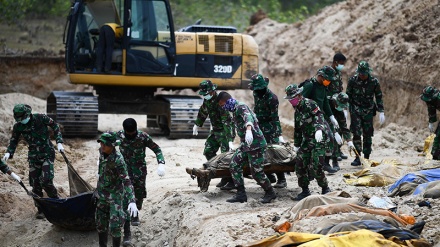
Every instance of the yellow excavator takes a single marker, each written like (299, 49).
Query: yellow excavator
(148, 57)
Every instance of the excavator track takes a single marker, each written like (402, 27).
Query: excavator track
(183, 112)
(76, 112)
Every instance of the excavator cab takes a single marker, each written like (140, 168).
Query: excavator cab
(145, 45)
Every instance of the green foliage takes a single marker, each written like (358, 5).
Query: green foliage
(14, 10)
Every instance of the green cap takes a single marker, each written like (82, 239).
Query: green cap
(258, 82)
(364, 68)
(108, 139)
(341, 100)
(206, 87)
(327, 72)
(428, 93)
(21, 112)
(292, 90)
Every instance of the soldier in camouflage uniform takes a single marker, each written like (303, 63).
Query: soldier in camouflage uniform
(222, 134)
(6, 170)
(316, 89)
(113, 187)
(311, 138)
(339, 102)
(266, 110)
(41, 154)
(431, 96)
(336, 87)
(362, 88)
(251, 150)
(133, 145)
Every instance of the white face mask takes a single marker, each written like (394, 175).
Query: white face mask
(25, 121)
(207, 97)
(340, 67)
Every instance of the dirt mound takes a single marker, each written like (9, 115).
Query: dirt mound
(400, 39)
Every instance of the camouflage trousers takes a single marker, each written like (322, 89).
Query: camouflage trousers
(41, 176)
(436, 144)
(269, 132)
(215, 141)
(140, 192)
(110, 214)
(311, 158)
(362, 126)
(254, 159)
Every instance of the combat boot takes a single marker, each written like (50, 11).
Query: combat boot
(305, 193)
(116, 241)
(222, 183)
(268, 196)
(356, 162)
(343, 156)
(240, 196)
(229, 186)
(126, 241)
(103, 237)
(39, 215)
(367, 156)
(325, 190)
(281, 182)
(328, 168)
(271, 178)
(335, 164)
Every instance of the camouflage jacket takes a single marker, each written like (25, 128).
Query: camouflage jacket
(221, 120)
(317, 92)
(243, 116)
(3, 167)
(362, 94)
(337, 85)
(133, 151)
(266, 110)
(36, 134)
(433, 106)
(308, 119)
(342, 121)
(114, 182)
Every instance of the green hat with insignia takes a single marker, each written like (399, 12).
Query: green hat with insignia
(258, 82)
(327, 72)
(429, 92)
(292, 90)
(109, 139)
(341, 100)
(364, 68)
(21, 112)
(206, 87)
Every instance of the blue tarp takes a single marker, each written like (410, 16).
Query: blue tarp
(419, 177)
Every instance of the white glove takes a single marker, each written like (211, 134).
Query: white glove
(346, 114)
(132, 209)
(430, 126)
(318, 135)
(281, 139)
(338, 138)
(295, 149)
(97, 163)
(60, 148)
(350, 144)
(6, 157)
(195, 130)
(16, 177)
(231, 146)
(335, 123)
(161, 169)
(381, 118)
(249, 138)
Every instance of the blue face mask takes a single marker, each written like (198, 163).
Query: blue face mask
(340, 67)
(207, 97)
(25, 121)
(230, 105)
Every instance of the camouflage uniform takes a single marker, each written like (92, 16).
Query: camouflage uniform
(432, 98)
(308, 119)
(266, 110)
(3, 167)
(252, 155)
(363, 108)
(113, 185)
(335, 87)
(340, 117)
(133, 151)
(41, 154)
(222, 129)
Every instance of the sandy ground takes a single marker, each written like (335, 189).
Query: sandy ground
(176, 213)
